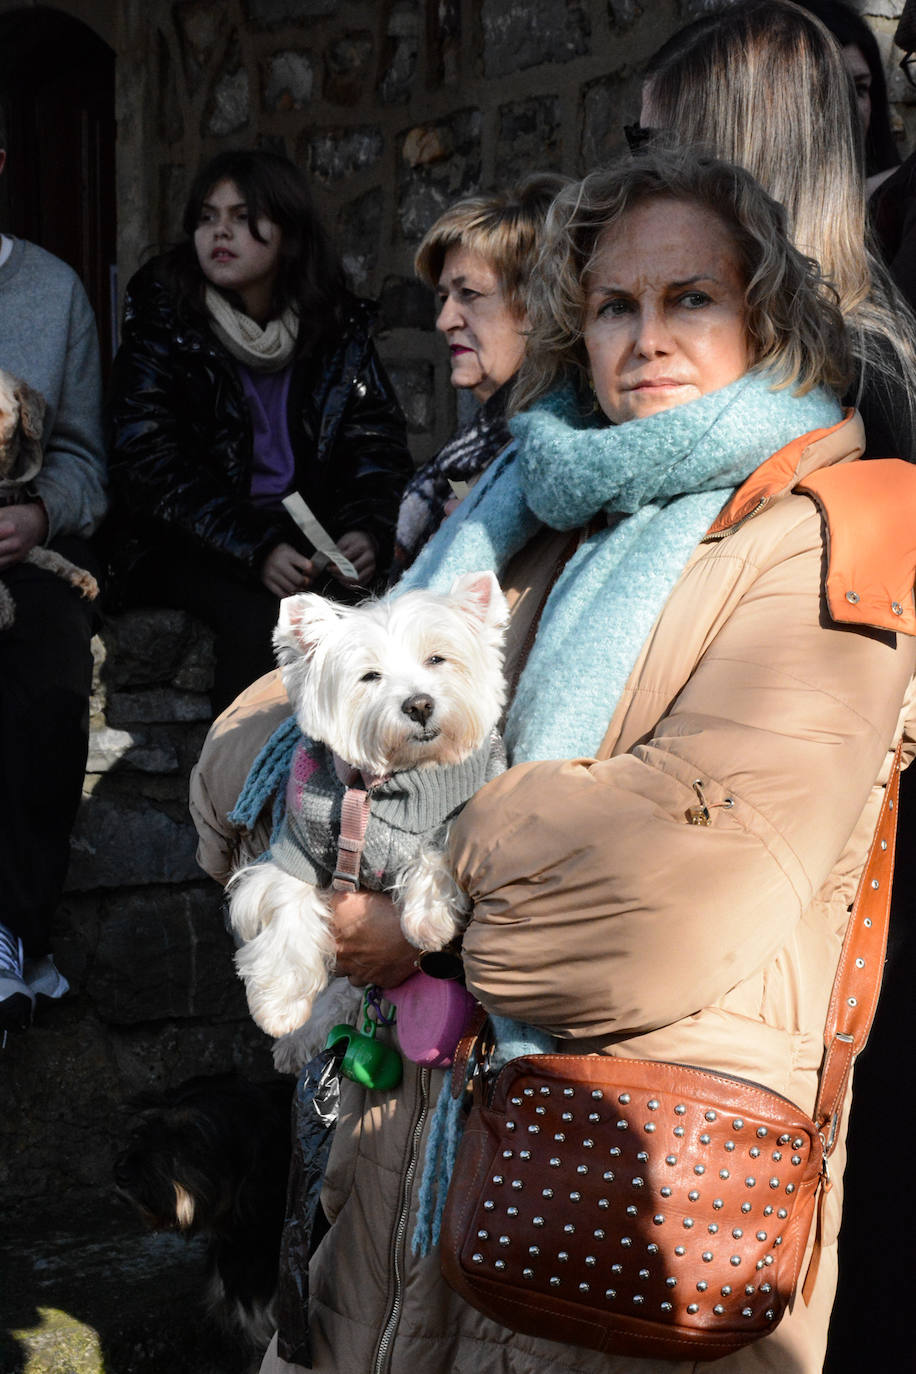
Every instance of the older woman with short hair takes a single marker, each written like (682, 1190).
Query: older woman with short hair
(477, 257)
(680, 620)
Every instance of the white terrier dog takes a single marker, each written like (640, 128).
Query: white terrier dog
(401, 697)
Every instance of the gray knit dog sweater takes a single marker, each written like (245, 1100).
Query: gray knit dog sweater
(406, 811)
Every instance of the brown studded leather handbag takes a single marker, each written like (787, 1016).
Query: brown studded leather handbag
(655, 1209)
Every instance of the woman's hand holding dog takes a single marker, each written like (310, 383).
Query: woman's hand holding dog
(370, 945)
(21, 528)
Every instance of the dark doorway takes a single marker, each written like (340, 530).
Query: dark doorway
(58, 190)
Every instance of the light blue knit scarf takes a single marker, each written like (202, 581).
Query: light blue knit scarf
(660, 482)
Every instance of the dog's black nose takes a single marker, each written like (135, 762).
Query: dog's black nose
(418, 707)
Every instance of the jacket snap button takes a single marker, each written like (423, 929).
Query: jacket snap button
(852, 596)
(896, 608)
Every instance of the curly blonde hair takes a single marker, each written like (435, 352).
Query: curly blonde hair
(794, 326)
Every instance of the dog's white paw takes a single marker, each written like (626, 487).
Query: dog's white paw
(433, 907)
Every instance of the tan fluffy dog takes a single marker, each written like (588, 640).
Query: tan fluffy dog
(21, 415)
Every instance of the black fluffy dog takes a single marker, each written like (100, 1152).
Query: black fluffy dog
(211, 1157)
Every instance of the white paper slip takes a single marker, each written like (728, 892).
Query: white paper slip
(316, 533)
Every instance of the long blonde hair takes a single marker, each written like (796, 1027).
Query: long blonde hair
(795, 330)
(763, 84)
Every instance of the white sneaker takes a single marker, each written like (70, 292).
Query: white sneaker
(44, 978)
(17, 1000)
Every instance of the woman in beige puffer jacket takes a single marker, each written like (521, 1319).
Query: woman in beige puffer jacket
(777, 674)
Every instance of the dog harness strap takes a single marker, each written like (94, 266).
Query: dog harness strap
(354, 817)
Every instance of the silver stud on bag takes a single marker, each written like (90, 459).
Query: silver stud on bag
(693, 1308)
(680, 1109)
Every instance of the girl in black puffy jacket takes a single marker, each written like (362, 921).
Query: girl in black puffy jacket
(247, 372)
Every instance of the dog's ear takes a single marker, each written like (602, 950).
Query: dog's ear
(304, 620)
(479, 596)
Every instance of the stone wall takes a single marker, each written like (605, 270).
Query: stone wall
(395, 108)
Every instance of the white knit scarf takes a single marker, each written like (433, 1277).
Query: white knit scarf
(263, 350)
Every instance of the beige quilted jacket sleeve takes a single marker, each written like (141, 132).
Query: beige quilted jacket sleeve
(599, 910)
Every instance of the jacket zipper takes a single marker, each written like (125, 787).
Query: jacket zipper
(723, 534)
(398, 1247)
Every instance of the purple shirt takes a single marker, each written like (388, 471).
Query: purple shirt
(273, 466)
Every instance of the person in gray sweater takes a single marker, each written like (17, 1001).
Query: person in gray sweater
(48, 339)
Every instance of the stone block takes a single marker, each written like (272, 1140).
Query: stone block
(444, 41)
(142, 648)
(154, 1057)
(440, 162)
(528, 138)
(289, 78)
(164, 957)
(623, 13)
(359, 226)
(272, 13)
(200, 26)
(334, 153)
(171, 124)
(413, 383)
(406, 303)
(608, 104)
(229, 106)
(157, 704)
(138, 750)
(524, 33)
(401, 47)
(118, 842)
(347, 64)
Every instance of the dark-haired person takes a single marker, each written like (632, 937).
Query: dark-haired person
(862, 60)
(48, 339)
(247, 372)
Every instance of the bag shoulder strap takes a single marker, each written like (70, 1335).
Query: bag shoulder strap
(859, 972)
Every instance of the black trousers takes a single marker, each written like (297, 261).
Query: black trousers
(242, 613)
(45, 681)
